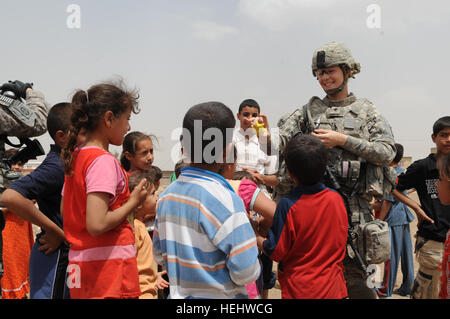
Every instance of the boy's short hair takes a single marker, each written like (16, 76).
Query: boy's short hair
(214, 118)
(306, 158)
(399, 154)
(135, 178)
(178, 166)
(439, 125)
(58, 118)
(249, 102)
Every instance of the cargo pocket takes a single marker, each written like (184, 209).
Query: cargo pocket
(422, 286)
(428, 258)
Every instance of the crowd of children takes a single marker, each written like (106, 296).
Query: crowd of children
(214, 231)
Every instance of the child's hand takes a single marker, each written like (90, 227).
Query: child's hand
(160, 282)
(421, 216)
(259, 125)
(259, 242)
(256, 176)
(51, 241)
(139, 193)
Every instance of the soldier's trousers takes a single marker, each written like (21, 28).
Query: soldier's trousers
(427, 281)
(356, 281)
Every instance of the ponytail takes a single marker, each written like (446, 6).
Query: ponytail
(126, 164)
(79, 120)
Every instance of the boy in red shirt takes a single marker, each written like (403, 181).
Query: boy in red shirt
(309, 232)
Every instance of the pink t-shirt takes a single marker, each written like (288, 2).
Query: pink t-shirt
(104, 175)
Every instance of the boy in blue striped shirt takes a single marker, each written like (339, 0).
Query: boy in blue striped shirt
(202, 234)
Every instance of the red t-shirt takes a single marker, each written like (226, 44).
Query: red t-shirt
(308, 239)
(103, 266)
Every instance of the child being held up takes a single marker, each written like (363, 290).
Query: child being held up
(309, 232)
(150, 280)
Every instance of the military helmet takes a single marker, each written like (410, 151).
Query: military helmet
(334, 53)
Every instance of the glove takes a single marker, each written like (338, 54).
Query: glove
(8, 87)
(19, 88)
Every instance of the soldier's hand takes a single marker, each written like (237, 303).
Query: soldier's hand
(9, 87)
(330, 138)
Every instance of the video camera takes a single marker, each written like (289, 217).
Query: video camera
(32, 150)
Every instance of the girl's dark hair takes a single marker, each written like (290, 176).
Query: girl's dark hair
(306, 158)
(89, 106)
(443, 165)
(399, 154)
(130, 145)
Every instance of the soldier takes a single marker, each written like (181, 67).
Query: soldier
(21, 120)
(359, 140)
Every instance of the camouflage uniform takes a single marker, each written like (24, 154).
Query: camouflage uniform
(20, 120)
(357, 165)
(12, 126)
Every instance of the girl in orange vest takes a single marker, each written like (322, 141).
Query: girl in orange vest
(443, 187)
(96, 199)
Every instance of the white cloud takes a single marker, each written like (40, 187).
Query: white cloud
(278, 15)
(212, 31)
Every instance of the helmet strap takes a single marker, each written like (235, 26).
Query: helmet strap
(341, 87)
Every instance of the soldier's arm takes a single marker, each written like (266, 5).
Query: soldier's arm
(288, 126)
(379, 148)
(36, 101)
(276, 139)
(12, 126)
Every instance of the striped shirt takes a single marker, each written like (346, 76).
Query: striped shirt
(203, 237)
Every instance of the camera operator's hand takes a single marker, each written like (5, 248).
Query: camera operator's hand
(18, 87)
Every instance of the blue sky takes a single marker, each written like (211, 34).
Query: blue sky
(182, 52)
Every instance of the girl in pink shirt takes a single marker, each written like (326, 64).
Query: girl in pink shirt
(96, 199)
